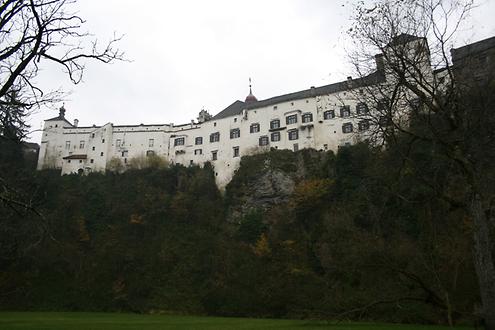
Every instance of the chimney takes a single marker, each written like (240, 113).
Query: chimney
(380, 63)
(349, 82)
(76, 122)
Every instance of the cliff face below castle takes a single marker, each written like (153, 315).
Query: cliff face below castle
(266, 181)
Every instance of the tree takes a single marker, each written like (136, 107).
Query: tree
(43, 30)
(424, 98)
(33, 32)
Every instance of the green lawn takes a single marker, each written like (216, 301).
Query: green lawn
(111, 321)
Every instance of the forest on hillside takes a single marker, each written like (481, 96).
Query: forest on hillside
(360, 234)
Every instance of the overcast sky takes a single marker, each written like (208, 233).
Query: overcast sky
(187, 55)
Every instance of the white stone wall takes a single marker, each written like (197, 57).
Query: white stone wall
(102, 143)
(52, 147)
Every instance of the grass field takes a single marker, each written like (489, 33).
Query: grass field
(114, 321)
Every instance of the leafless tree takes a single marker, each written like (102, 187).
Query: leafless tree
(453, 112)
(35, 31)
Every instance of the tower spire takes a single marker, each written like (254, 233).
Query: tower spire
(250, 98)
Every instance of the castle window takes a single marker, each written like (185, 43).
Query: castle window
(293, 134)
(263, 141)
(275, 107)
(151, 143)
(179, 141)
(382, 105)
(101, 153)
(307, 117)
(81, 144)
(198, 140)
(214, 155)
(92, 161)
(361, 108)
(93, 135)
(67, 145)
(215, 137)
(364, 125)
(235, 151)
(93, 148)
(292, 119)
(345, 111)
(384, 121)
(347, 128)
(118, 143)
(150, 153)
(329, 114)
(198, 151)
(275, 136)
(415, 104)
(68, 161)
(296, 147)
(235, 133)
(235, 120)
(254, 128)
(80, 161)
(102, 140)
(124, 153)
(274, 124)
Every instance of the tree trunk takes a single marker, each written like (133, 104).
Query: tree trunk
(483, 261)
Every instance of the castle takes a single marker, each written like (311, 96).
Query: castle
(322, 118)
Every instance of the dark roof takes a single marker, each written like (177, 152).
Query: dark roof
(86, 127)
(76, 157)
(30, 145)
(232, 110)
(143, 125)
(469, 50)
(237, 107)
(59, 118)
(402, 39)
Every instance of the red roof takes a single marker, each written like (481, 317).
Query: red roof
(250, 98)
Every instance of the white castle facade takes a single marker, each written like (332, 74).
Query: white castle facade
(322, 118)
